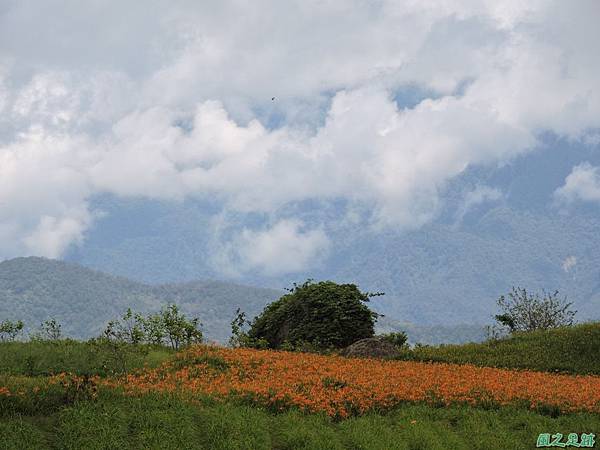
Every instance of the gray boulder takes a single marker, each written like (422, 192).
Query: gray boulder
(371, 348)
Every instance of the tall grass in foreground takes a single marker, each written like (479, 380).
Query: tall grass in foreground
(162, 421)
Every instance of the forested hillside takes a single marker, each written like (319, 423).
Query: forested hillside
(84, 300)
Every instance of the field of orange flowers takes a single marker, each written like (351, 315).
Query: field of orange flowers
(341, 387)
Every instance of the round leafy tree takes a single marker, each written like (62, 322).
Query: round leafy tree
(322, 315)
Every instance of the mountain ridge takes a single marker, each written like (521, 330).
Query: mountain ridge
(83, 300)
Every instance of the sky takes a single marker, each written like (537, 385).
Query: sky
(260, 106)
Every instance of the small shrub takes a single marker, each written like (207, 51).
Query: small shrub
(129, 329)
(50, 330)
(398, 339)
(168, 327)
(522, 311)
(9, 330)
(239, 336)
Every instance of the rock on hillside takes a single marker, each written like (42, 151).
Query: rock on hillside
(371, 348)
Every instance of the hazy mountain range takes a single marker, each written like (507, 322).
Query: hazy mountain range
(83, 301)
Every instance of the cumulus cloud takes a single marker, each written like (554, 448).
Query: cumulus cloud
(286, 247)
(583, 184)
(43, 192)
(173, 99)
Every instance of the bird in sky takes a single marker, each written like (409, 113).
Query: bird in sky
(272, 99)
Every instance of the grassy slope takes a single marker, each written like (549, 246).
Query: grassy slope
(571, 350)
(161, 421)
(164, 422)
(81, 358)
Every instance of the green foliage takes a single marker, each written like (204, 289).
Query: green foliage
(324, 315)
(178, 330)
(9, 330)
(116, 354)
(574, 349)
(94, 357)
(168, 327)
(165, 421)
(398, 339)
(50, 330)
(238, 323)
(154, 331)
(118, 350)
(239, 335)
(522, 311)
(130, 329)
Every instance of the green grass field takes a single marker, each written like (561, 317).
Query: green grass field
(574, 350)
(111, 420)
(81, 358)
(165, 422)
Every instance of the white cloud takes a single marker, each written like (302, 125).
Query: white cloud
(286, 247)
(43, 192)
(169, 100)
(480, 194)
(569, 263)
(583, 183)
(53, 234)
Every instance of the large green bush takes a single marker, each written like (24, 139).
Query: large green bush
(320, 315)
